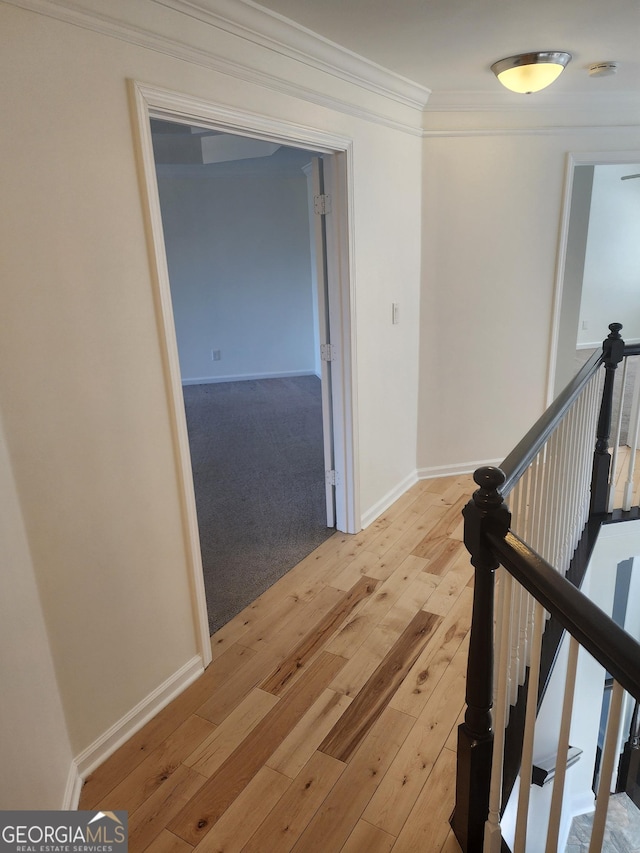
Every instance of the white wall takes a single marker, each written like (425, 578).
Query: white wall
(492, 212)
(612, 262)
(82, 385)
(35, 754)
(238, 249)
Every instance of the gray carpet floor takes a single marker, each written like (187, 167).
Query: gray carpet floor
(258, 469)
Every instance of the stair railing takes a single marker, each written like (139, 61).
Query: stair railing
(557, 485)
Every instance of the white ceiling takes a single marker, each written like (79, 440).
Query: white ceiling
(449, 45)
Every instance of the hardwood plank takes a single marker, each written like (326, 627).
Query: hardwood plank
(414, 692)
(412, 537)
(167, 842)
(419, 523)
(215, 750)
(452, 740)
(244, 816)
(349, 732)
(366, 837)
(427, 826)
(158, 766)
(298, 747)
(267, 610)
(232, 777)
(283, 635)
(295, 809)
(148, 821)
(231, 693)
(446, 524)
(136, 749)
(359, 668)
(336, 819)
(451, 585)
(280, 678)
(365, 563)
(440, 555)
(356, 630)
(401, 786)
(275, 643)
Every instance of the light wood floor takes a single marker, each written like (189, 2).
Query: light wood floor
(327, 720)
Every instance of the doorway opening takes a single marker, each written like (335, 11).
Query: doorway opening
(328, 161)
(596, 278)
(249, 296)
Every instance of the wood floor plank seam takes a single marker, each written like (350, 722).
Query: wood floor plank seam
(356, 722)
(197, 818)
(320, 633)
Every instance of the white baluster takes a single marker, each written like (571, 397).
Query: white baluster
(634, 430)
(616, 437)
(492, 833)
(606, 769)
(553, 830)
(529, 727)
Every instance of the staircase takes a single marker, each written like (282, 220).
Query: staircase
(561, 492)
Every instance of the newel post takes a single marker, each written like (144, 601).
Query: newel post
(486, 511)
(613, 353)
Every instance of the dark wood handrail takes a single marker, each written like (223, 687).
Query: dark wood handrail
(609, 644)
(490, 542)
(522, 455)
(517, 462)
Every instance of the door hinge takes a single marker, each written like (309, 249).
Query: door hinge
(327, 352)
(322, 204)
(332, 478)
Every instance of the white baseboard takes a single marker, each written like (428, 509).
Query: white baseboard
(391, 497)
(454, 470)
(421, 474)
(72, 791)
(241, 377)
(98, 752)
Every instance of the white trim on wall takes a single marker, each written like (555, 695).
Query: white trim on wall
(390, 498)
(285, 37)
(242, 377)
(142, 100)
(73, 789)
(269, 29)
(149, 101)
(453, 470)
(120, 732)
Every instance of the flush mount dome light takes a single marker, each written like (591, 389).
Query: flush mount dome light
(530, 72)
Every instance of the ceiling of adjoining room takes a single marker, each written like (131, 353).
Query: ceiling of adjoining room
(448, 46)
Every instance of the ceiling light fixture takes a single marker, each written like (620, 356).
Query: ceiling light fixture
(530, 72)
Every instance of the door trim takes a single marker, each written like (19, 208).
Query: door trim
(151, 102)
(573, 159)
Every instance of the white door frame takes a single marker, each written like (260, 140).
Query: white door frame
(588, 158)
(151, 102)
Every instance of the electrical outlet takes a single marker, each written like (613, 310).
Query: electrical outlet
(216, 355)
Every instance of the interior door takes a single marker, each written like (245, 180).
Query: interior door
(319, 243)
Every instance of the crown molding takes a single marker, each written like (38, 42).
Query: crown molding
(67, 12)
(532, 130)
(254, 23)
(603, 103)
